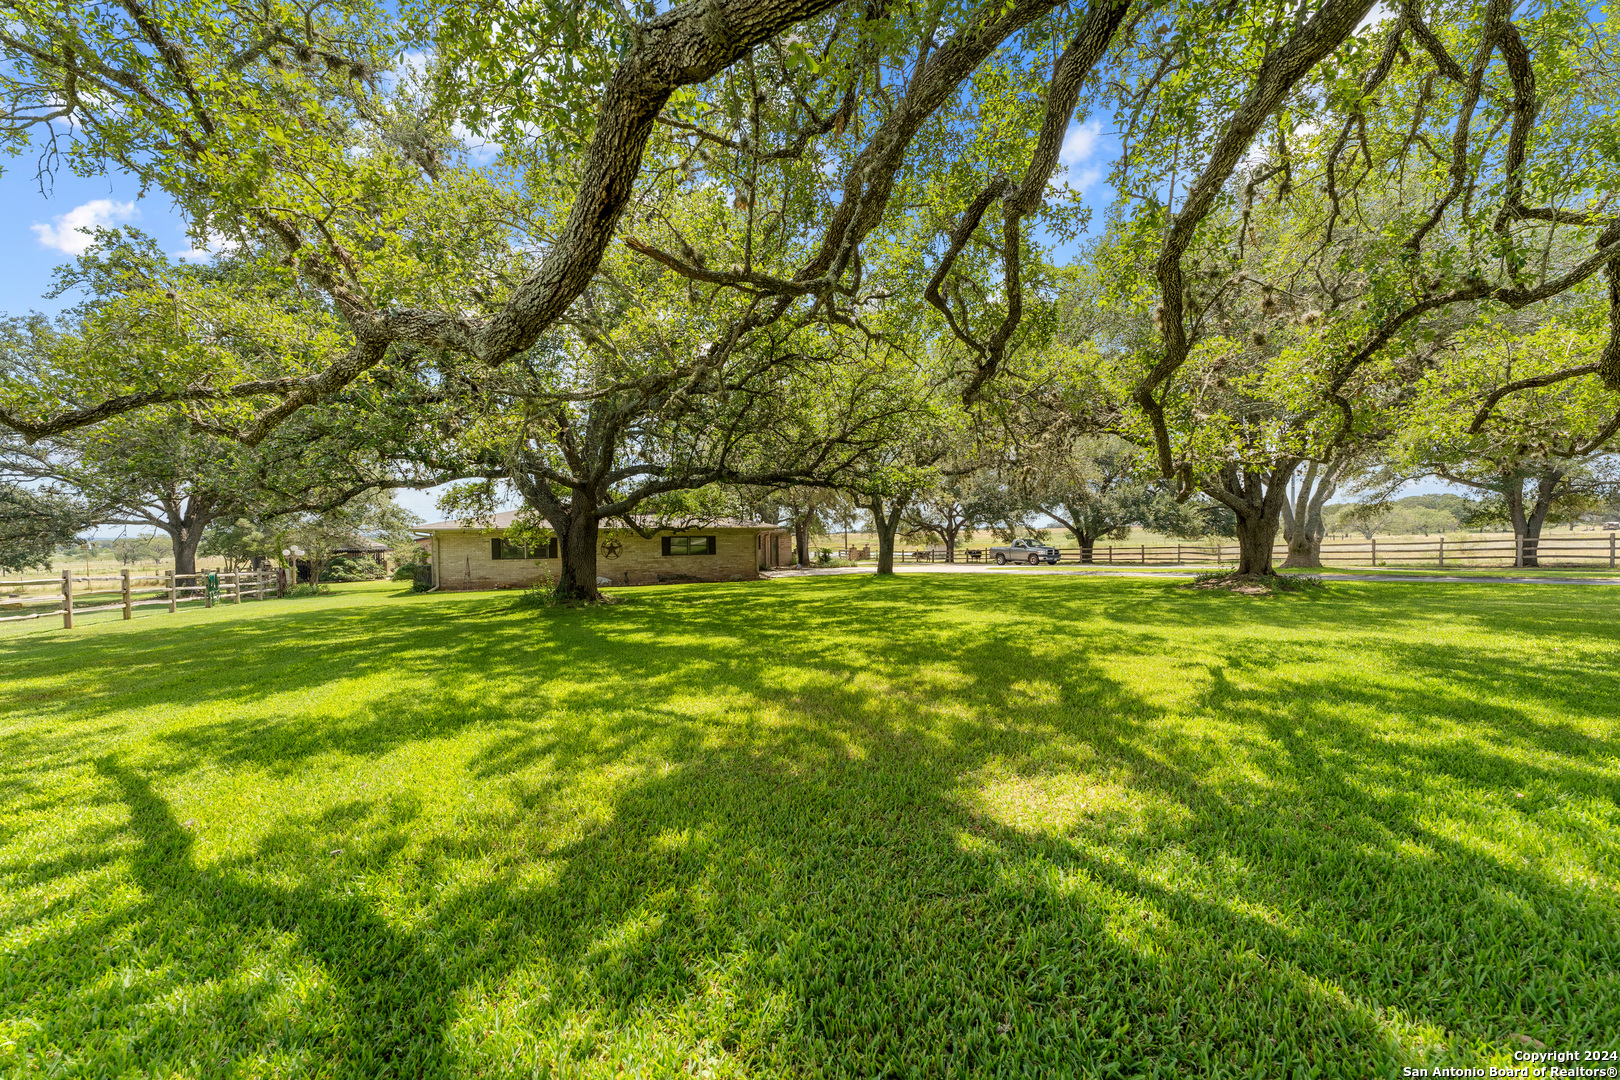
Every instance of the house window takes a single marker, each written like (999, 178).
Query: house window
(688, 545)
(502, 548)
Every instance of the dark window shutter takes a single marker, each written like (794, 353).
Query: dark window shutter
(666, 545)
(495, 548)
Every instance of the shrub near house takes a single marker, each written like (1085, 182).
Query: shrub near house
(481, 557)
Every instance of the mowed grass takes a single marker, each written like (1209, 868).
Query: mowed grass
(930, 826)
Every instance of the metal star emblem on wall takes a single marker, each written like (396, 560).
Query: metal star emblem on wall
(612, 549)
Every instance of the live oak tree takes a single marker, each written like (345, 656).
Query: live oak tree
(637, 400)
(34, 523)
(1547, 442)
(173, 465)
(150, 471)
(1098, 488)
(963, 499)
(1303, 525)
(1264, 194)
(281, 132)
(889, 485)
(1408, 181)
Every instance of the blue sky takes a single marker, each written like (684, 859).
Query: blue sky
(43, 231)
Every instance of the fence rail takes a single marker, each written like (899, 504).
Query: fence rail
(1442, 551)
(139, 590)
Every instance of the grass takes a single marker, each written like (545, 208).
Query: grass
(929, 826)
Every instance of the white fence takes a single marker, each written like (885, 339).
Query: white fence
(1442, 552)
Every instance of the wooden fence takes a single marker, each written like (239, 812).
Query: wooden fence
(1441, 552)
(126, 591)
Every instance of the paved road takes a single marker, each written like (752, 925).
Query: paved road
(1329, 575)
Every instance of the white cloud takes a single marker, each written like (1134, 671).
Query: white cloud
(1078, 144)
(72, 233)
(213, 244)
(413, 64)
(480, 151)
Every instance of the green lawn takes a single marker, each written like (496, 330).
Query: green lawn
(938, 825)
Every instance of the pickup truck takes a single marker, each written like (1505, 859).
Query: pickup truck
(1024, 551)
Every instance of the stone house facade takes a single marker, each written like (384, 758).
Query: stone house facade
(477, 557)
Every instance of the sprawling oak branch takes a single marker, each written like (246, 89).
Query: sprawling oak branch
(686, 45)
(869, 180)
(1079, 58)
(1279, 73)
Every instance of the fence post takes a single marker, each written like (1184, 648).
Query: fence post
(123, 580)
(1374, 549)
(1144, 554)
(208, 594)
(1442, 553)
(236, 579)
(1611, 551)
(1518, 551)
(1110, 554)
(168, 576)
(1178, 554)
(67, 599)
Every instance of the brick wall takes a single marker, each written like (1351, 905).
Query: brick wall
(464, 561)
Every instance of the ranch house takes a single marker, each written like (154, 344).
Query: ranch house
(479, 557)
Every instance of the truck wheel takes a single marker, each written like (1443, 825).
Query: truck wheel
(1001, 558)
(1034, 560)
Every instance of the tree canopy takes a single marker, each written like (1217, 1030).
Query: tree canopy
(613, 252)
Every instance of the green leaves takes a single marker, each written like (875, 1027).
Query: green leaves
(35, 522)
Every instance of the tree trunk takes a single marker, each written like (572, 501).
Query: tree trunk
(183, 542)
(1256, 534)
(1087, 545)
(1256, 501)
(576, 544)
(1513, 493)
(1528, 527)
(886, 525)
(1304, 540)
(1302, 516)
(801, 537)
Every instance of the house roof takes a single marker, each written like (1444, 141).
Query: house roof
(504, 519)
(362, 544)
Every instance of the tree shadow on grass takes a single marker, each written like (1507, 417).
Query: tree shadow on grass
(232, 952)
(934, 847)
